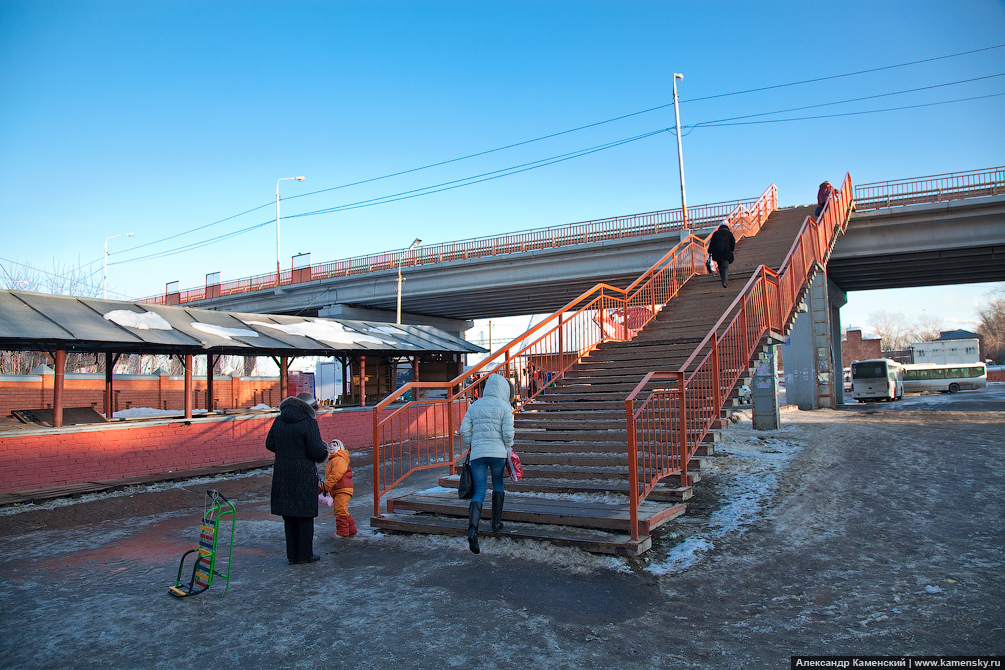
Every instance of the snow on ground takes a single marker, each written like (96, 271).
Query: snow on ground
(130, 491)
(754, 460)
(748, 465)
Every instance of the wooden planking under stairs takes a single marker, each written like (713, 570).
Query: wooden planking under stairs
(572, 438)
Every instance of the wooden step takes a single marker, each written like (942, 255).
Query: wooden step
(587, 539)
(535, 509)
(613, 448)
(662, 493)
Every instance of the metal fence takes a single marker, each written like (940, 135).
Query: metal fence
(613, 228)
(666, 426)
(603, 313)
(935, 188)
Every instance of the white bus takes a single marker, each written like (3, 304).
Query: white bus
(919, 377)
(877, 379)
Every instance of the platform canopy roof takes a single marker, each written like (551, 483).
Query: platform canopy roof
(42, 322)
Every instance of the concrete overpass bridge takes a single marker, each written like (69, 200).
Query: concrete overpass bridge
(642, 374)
(946, 229)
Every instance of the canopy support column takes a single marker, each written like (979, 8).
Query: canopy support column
(188, 386)
(59, 362)
(362, 381)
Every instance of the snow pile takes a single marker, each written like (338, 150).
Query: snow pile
(145, 412)
(755, 459)
(223, 332)
(329, 331)
(137, 320)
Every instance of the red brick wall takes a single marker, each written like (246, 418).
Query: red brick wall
(854, 348)
(56, 457)
(28, 392)
(74, 455)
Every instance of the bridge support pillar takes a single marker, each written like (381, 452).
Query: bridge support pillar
(812, 355)
(764, 395)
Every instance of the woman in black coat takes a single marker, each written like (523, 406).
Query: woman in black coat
(720, 248)
(296, 440)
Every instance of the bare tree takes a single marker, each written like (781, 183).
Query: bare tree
(892, 329)
(61, 280)
(992, 325)
(928, 328)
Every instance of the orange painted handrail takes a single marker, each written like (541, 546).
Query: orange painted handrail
(554, 345)
(664, 431)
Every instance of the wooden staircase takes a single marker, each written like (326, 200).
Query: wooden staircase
(572, 439)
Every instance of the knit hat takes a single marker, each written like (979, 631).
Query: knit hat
(308, 398)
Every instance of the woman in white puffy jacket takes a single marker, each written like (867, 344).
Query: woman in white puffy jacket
(487, 430)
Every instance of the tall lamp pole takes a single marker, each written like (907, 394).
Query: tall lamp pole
(278, 266)
(680, 150)
(412, 246)
(104, 281)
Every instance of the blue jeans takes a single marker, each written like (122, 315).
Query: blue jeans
(479, 473)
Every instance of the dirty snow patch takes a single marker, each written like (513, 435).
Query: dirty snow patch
(755, 460)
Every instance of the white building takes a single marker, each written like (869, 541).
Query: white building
(947, 351)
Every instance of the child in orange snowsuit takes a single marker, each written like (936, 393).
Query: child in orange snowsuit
(338, 482)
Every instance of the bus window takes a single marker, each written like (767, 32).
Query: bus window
(937, 374)
(876, 370)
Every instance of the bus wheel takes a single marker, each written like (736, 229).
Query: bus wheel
(954, 387)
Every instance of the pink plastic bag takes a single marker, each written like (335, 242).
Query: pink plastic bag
(513, 466)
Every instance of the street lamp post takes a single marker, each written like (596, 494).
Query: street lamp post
(680, 150)
(104, 281)
(278, 265)
(412, 246)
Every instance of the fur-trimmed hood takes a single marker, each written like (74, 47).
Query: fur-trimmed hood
(293, 410)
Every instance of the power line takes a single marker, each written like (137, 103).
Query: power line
(505, 172)
(476, 179)
(572, 130)
(716, 124)
(847, 74)
(867, 97)
(428, 190)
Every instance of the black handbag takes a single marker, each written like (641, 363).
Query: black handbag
(466, 487)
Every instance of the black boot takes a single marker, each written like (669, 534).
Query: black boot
(497, 507)
(474, 515)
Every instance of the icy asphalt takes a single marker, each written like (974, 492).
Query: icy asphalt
(857, 531)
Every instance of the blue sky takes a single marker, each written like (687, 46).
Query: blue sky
(160, 118)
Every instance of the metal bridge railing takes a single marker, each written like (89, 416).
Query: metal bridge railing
(666, 427)
(936, 188)
(420, 434)
(618, 227)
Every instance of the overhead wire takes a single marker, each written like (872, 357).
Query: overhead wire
(542, 162)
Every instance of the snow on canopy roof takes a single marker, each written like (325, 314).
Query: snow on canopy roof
(40, 322)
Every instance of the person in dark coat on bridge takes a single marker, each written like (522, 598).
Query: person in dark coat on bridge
(825, 191)
(296, 440)
(720, 248)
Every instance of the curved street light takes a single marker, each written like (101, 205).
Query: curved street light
(680, 150)
(278, 266)
(400, 258)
